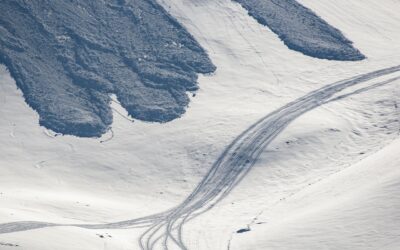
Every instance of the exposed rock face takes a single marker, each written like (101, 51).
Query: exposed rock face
(301, 29)
(68, 56)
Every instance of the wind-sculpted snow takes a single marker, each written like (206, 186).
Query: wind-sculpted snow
(227, 171)
(301, 29)
(69, 56)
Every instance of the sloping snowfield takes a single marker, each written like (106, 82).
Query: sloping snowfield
(328, 178)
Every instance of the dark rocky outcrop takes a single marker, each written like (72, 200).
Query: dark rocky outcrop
(301, 29)
(68, 56)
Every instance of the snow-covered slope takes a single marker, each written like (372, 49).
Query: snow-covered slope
(354, 209)
(148, 168)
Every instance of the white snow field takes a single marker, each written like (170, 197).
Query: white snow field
(328, 180)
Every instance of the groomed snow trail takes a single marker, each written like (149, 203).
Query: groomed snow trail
(226, 172)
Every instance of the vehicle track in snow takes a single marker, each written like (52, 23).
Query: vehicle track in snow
(166, 228)
(238, 158)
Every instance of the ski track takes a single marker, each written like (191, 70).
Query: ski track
(226, 172)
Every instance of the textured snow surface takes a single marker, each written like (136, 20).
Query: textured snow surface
(68, 56)
(329, 180)
(353, 209)
(301, 29)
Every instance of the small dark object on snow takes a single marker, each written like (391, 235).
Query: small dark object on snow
(243, 230)
(100, 235)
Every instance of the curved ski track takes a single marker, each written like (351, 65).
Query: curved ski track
(226, 172)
